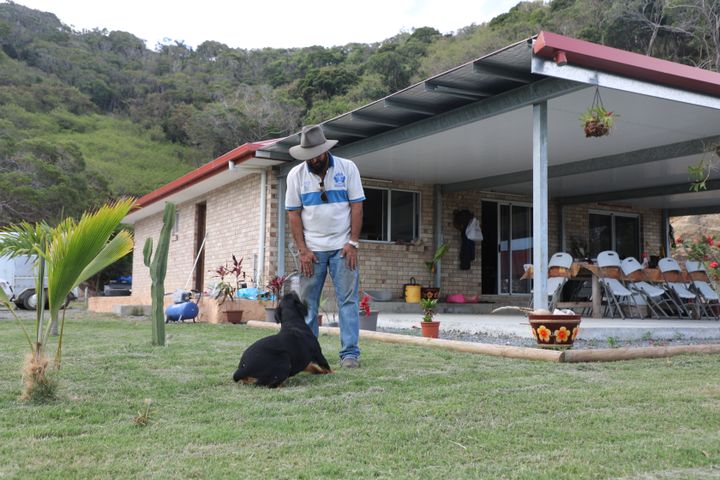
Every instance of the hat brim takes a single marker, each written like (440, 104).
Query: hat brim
(299, 152)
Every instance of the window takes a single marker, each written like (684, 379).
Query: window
(615, 231)
(391, 215)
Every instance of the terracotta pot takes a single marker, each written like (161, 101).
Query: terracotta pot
(430, 292)
(233, 316)
(368, 322)
(554, 331)
(430, 329)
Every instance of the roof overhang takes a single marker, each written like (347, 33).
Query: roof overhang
(227, 168)
(471, 127)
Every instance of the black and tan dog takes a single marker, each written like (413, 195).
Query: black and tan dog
(272, 360)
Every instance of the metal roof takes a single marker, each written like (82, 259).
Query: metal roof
(471, 127)
(484, 77)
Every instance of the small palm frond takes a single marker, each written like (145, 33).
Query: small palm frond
(24, 239)
(79, 249)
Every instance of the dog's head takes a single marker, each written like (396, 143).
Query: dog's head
(291, 311)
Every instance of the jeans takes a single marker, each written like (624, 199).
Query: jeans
(345, 282)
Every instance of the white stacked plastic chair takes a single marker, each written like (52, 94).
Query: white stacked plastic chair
(687, 301)
(559, 260)
(701, 285)
(616, 293)
(656, 298)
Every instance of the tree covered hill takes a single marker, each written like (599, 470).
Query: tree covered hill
(91, 115)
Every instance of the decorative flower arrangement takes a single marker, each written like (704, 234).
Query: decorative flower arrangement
(596, 120)
(223, 289)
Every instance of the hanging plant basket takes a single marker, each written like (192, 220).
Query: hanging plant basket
(597, 121)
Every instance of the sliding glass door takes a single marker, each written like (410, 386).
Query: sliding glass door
(514, 247)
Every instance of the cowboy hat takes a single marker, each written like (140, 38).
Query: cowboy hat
(312, 143)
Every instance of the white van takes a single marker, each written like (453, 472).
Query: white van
(18, 281)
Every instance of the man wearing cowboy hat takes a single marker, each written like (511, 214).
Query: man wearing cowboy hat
(324, 203)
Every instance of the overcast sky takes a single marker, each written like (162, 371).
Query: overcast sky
(270, 23)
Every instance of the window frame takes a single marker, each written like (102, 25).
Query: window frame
(388, 225)
(613, 237)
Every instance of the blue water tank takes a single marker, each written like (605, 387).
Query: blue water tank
(182, 311)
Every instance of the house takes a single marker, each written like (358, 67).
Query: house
(499, 136)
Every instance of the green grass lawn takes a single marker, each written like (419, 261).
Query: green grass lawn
(409, 412)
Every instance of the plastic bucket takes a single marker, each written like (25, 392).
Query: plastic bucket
(411, 291)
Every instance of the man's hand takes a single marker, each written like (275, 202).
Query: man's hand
(349, 253)
(307, 262)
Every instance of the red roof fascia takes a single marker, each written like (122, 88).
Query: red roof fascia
(237, 155)
(629, 64)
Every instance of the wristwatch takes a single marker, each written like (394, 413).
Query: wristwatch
(353, 244)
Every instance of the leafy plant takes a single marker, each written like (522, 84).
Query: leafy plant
(275, 286)
(432, 264)
(223, 289)
(70, 253)
(597, 121)
(700, 173)
(705, 249)
(428, 306)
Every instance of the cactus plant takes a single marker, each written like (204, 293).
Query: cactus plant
(158, 269)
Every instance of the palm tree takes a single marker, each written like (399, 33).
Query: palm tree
(71, 252)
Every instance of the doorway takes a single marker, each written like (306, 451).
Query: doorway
(200, 228)
(507, 247)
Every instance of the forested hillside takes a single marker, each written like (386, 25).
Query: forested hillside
(90, 115)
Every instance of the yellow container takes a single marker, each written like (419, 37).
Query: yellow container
(412, 293)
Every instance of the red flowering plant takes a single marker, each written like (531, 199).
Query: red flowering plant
(223, 289)
(365, 305)
(275, 286)
(704, 248)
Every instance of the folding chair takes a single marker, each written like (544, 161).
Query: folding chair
(617, 294)
(686, 301)
(701, 284)
(558, 273)
(655, 297)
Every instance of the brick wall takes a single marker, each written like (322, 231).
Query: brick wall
(232, 223)
(577, 218)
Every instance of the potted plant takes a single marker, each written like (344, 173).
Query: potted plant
(368, 318)
(225, 290)
(430, 328)
(434, 292)
(551, 330)
(596, 120)
(274, 286)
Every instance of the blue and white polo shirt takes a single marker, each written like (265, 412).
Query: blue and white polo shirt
(326, 225)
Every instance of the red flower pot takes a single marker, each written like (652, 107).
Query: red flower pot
(430, 329)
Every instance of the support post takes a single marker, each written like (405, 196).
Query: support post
(437, 220)
(665, 234)
(540, 206)
(282, 183)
